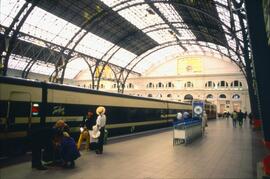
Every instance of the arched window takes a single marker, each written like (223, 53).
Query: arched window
(160, 85)
(150, 95)
(210, 84)
(159, 95)
(169, 85)
(223, 96)
(130, 85)
(236, 84)
(223, 84)
(102, 86)
(188, 97)
(150, 85)
(188, 84)
(169, 95)
(236, 96)
(209, 96)
(114, 85)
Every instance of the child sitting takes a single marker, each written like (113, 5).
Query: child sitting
(69, 151)
(83, 136)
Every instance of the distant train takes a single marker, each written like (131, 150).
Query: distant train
(27, 104)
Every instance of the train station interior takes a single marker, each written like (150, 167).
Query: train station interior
(176, 89)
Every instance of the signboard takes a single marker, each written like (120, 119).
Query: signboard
(189, 65)
(198, 107)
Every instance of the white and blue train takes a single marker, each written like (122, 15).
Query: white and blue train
(27, 104)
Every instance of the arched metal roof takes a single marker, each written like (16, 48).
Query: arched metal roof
(120, 33)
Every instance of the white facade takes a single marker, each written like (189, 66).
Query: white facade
(202, 76)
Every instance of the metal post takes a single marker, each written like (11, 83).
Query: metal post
(260, 52)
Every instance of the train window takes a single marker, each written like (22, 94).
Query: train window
(18, 109)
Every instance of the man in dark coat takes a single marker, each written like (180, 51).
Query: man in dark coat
(89, 121)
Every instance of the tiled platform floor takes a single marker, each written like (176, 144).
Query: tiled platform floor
(223, 152)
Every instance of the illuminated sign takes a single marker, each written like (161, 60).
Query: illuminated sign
(35, 109)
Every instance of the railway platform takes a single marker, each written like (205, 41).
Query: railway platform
(223, 152)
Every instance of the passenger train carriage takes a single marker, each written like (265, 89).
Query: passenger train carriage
(26, 105)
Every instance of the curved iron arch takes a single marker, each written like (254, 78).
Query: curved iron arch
(105, 11)
(152, 30)
(16, 31)
(176, 43)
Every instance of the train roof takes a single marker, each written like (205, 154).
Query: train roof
(30, 82)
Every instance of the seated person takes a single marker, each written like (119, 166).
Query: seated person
(69, 151)
(186, 115)
(84, 135)
(44, 138)
(179, 116)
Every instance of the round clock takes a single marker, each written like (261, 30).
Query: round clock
(198, 109)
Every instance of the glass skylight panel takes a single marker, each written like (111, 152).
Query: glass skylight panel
(49, 27)
(8, 10)
(224, 15)
(42, 68)
(74, 67)
(224, 2)
(17, 62)
(157, 56)
(172, 15)
(93, 45)
(143, 16)
(122, 57)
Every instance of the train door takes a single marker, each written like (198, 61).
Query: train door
(18, 122)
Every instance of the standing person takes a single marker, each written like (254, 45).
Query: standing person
(101, 122)
(234, 118)
(204, 120)
(250, 116)
(245, 115)
(240, 116)
(228, 115)
(88, 121)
